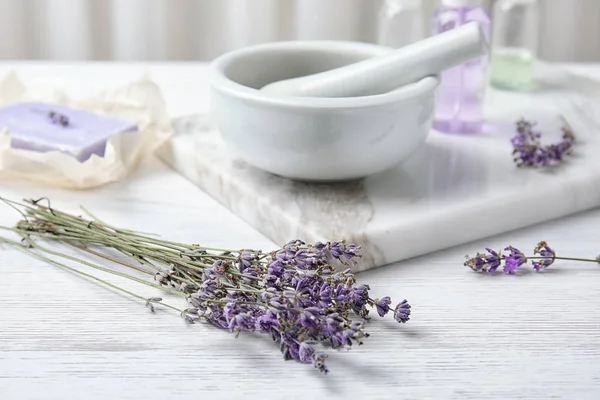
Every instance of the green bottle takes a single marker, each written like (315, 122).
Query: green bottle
(515, 40)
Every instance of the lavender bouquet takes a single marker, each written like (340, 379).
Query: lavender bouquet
(297, 294)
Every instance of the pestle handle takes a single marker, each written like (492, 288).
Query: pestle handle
(383, 73)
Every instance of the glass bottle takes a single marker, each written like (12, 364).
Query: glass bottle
(515, 40)
(401, 22)
(460, 96)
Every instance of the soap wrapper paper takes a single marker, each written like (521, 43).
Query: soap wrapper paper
(140, 102)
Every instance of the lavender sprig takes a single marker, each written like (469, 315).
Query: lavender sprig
(528, 151)
(297, 295)
(58, 119)
(543, 257)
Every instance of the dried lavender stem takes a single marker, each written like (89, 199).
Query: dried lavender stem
(108, 270)
(130, 233)
(26, 250)
(102, 226)
(104, 256)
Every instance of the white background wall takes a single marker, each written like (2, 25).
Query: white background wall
(203, 29)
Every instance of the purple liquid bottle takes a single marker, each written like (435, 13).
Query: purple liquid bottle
(460, 96)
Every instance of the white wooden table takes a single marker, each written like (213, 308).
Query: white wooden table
(535, 336)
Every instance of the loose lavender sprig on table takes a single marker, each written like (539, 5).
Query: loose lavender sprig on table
(492, 260)
(528, 151)
(295, 294)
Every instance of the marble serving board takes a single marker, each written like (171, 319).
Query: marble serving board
(457, 189)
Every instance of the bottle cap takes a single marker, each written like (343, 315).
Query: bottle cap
(461, 3)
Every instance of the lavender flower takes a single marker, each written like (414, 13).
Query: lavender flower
(245, 259)
(319, 363)
(402, 312)
(306, 353)
(514, 260)
(485, 262)
(383, 305)
(528, 150)
(548, 256)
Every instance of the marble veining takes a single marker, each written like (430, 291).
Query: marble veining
(279, 208)
(454, 190)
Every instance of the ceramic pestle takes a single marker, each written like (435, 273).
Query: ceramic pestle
(392, 70)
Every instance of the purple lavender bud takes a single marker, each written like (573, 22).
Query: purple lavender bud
(336, 249)
(325, 293)
(304, 285)
(187, 318)
(383, 305)
(195, 300)
(347, 336)
(319, 246)
(250, 275)
(306, 353)
(208, 288)
(305, 260)
(289, 346)
(276, 268)
(230, 309)
(342, 293)
(319, 363)
(241, 321)
(352, 251)
(245, 260)
(332, 327)
(402, 312)
(548, 256)
(278, 304)
(514, 260)
(217, 318)
(270, 281)
(485, 262)
(309, 318)
(337, 340)
(218, 267)
(359, 297)
(267, 322)
(492, 260)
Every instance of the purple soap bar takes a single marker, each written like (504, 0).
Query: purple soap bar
(46, 127)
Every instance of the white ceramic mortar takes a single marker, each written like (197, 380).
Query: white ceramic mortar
(315, 139)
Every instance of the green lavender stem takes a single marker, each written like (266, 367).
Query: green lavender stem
(108, 270)
(51, 214)
(28, 251)
(561, 258)
(566, 259)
